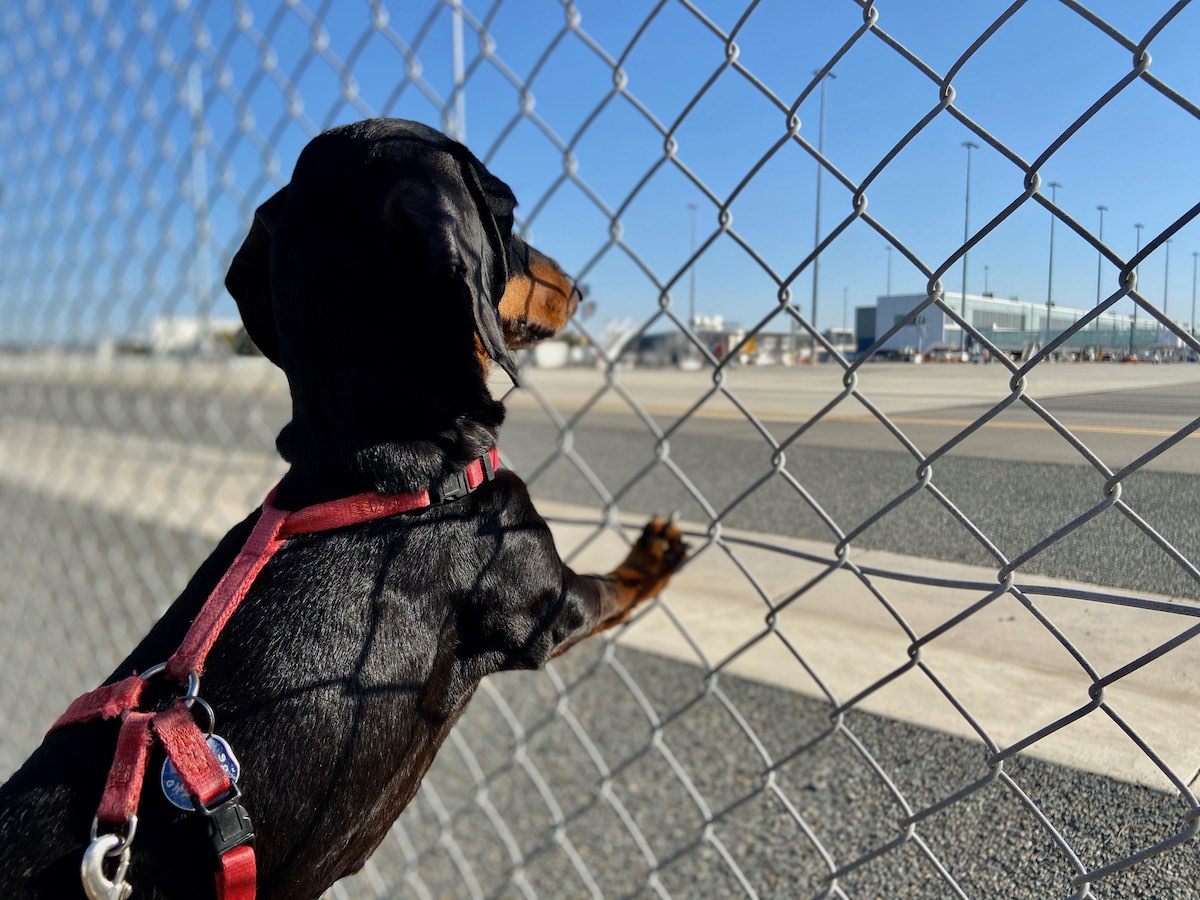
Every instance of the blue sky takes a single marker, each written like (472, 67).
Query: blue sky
(111, 83)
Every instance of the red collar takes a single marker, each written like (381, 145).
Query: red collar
(369, 506)
(205, 779)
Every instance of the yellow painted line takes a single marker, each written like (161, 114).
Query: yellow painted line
(707, 412)
(1024, 426)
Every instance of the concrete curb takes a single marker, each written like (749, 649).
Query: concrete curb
(1001, 664)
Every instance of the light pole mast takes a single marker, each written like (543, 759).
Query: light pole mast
(1166, 278)
(1100, 256)
(692, 288)
(1054, 186)
(817, 217)
(962, 332)
(1138, 226)
(202, 268)
(1192, 323)
(888, 248)
(455, 116)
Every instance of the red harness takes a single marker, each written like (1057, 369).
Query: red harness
(210, 788)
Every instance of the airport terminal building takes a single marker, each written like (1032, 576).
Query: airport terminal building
(1014, 326)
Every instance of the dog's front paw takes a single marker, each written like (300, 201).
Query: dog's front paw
(658, 553)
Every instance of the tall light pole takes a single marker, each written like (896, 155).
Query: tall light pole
(986, 291)
(817, 216)
(962, 332)
(1192, 323)
(202, 267)
(888, 248)
(692, 289)
(1166, 278)
(454, 118)
(1138, 226)
(1054, 186)
(1099, 255)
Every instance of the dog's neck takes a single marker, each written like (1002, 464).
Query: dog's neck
(390, 443)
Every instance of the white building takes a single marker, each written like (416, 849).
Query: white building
(189, 334)
(1012, 325)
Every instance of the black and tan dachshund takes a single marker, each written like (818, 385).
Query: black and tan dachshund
(382, 280)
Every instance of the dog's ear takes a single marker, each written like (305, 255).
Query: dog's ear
(465, 242)
(492, 281)
(249, 278)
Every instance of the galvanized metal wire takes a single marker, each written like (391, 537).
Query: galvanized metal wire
(109, 202)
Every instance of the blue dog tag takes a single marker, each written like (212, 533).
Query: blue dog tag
(172, 785)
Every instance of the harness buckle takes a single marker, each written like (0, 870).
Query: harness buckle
(229, 825)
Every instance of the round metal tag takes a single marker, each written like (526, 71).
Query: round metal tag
(172, 785)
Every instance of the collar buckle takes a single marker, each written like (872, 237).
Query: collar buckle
(453, 487)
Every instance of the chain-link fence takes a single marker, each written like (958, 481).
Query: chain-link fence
(925, 647)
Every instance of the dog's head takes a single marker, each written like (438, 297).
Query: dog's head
(393, 239)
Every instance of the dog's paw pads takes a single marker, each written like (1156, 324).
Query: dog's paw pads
(661, 548)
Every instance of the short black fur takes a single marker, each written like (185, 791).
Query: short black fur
(373, 280)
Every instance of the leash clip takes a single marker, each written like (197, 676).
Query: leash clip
(96, 884)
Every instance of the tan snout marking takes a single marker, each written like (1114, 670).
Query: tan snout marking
(540, 301)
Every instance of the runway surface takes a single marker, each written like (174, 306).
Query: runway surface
(1016, 480)
(1016, 484)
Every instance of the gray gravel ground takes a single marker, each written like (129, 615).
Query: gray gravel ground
(989, 842)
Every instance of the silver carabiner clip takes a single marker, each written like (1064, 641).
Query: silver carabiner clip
(96, 884)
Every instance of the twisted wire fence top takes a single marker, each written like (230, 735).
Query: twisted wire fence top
(136, 141)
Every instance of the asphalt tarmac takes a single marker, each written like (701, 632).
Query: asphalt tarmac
(1016, 480)
(1015, 486)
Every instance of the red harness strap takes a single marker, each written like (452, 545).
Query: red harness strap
(104, 702)
(124, 786)
(263, 543)
(186, 746)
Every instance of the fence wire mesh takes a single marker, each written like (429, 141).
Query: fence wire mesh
(1011, 720)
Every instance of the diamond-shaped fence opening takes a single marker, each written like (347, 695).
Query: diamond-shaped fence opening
(935, 637)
